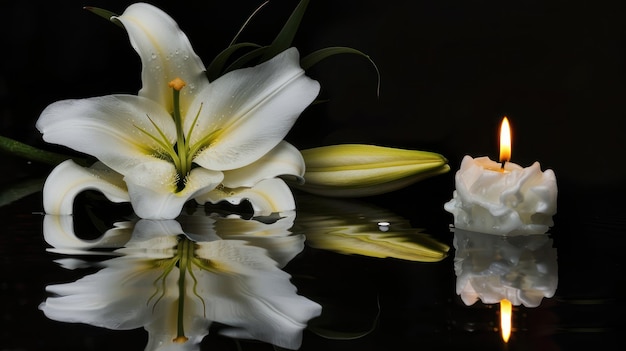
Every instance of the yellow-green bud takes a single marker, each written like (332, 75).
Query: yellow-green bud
(355, 170)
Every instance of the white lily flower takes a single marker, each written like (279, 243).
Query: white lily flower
(182, 136)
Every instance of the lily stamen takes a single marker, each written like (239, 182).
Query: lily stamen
(177, 84)
(184, 167)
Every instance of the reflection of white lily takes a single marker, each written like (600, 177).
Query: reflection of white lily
(182, 137)
(175, 286)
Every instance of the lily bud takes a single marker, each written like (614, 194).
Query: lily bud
(354, 170)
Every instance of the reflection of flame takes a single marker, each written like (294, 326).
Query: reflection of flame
(505, 319)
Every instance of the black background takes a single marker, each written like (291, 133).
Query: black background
(450, 70)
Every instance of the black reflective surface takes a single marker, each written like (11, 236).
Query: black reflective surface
(367, 303)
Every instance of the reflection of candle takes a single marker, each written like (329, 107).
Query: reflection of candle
(491, 268)
(509, 271)
(506, 312)
(503, 198)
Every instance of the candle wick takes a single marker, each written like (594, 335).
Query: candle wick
(502, 165)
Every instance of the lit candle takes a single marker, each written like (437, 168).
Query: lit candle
(503, 198)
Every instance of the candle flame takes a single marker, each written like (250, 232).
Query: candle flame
(505, 141)
(505, 319)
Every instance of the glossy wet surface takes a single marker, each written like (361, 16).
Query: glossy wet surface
(568, 284)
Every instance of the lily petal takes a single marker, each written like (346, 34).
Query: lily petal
(152, 188)
(68, 179)
(112, 128)
(251, 110)
(165, 53)
(267, 197)
(284, 159)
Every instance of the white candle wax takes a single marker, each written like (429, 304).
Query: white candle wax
(509, 201)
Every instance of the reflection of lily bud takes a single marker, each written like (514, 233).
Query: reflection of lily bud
(521, 269)
(352, 227)
(176, 285)
(351, 170)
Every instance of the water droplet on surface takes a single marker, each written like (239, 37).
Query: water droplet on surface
(384, 226)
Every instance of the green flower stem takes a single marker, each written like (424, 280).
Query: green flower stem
(31, 153)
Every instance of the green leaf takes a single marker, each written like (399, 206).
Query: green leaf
(245, 24)
(106, 14)
(284, 39)
(246, 59)
(321, 54)
(216, 67)
(31, 153)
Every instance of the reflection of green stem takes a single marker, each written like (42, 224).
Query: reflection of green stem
(184, 259)
(34, 154)
(184, 251)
